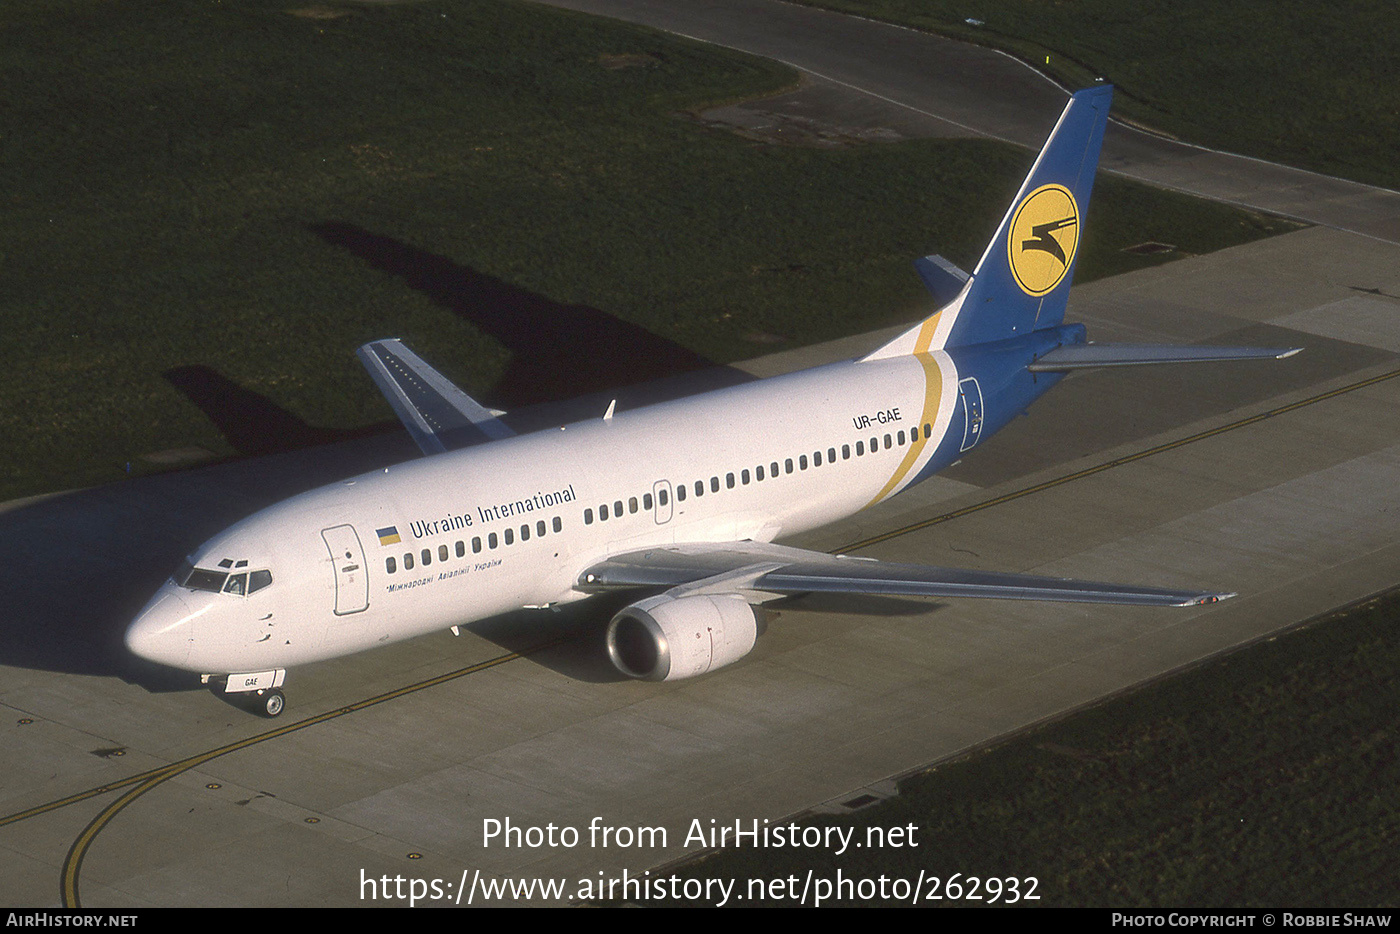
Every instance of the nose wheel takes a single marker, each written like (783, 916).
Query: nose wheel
(271, 703)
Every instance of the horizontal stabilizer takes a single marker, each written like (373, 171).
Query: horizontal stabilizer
(1087, 356)
(438, 415)
(780, 570)
(942, 278)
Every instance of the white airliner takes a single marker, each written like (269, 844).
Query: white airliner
(680, 502)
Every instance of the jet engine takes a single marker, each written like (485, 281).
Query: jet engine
(669, 638)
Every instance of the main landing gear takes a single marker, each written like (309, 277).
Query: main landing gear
(259, 690)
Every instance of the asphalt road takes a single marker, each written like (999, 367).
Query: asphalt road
(899, 76)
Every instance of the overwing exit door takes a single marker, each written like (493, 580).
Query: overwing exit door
(661, 492)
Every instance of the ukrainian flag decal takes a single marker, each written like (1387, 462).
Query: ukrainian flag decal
(389, 536)
(1042, 240)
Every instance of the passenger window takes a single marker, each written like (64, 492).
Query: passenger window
(617, 508)
(663, 497)
(632, 504)
(408, 561)
(260, 579)
(802, 462)
(476, 544)
(744, 477)
(888, 443)
(442, 552)
(758, 473)
(773, 468)
(680, 493)
(928, 430)
(845, 452)
(714, 484)
(539, 528)
(729, 480)
(525, 532)
(699, 488)
(427, 557)
(831, 455)
(237, 584)
(491, 541)
(558, 524)
(461, 549)
(901, 437)
(816, 458)
(860, 449)
(787, 465)
(603, 513)
(646, 501)
(588, 516)
(509, 536)
(390, 565)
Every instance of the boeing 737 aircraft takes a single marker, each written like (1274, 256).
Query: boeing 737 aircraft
(680, 502)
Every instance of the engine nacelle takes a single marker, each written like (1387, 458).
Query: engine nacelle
(669, 638)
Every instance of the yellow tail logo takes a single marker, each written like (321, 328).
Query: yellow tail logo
(1043, 238)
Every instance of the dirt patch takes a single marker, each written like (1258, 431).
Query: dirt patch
(318, 12)
(780, 129)
(614, 62)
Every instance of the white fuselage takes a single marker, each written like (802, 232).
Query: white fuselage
(465, 535)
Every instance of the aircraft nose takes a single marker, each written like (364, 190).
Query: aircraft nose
(162, 632)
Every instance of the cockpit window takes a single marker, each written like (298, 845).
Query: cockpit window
(240, 584)
(194, 578)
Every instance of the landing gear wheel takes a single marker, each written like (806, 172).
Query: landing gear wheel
(273, 703)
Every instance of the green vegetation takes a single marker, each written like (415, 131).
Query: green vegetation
(209, 205)
(1263, 779)
(1306, 84)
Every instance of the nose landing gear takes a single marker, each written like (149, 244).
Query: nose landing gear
(259, 690)
(273, 702)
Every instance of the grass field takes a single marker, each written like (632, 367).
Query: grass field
(208, 206)
(1263, 779)
(1306, 84)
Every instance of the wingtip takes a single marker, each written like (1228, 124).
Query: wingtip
(1206, 599)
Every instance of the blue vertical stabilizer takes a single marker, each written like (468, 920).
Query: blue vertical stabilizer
(1022, 281)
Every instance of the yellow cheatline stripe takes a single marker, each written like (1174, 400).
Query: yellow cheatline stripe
(1118, 462)
(933, 395)
(147, 780)
(926, 333)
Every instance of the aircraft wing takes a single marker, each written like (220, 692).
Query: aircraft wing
(1089, 356)
(760, 572)
(438, 415)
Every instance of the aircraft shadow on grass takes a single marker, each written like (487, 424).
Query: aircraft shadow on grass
(250, 422)
(558, 352)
